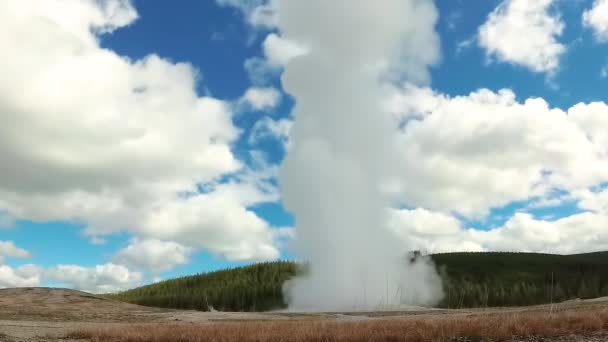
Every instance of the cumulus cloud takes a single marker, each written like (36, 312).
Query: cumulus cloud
(467, 154)
(279, 51)
(471, 153)
(216, 217)
(9, 249)
(596, 18)
(524, 33)
(261, 98)
(572, 234)
(217, 222)
(436, 232)
(114, 142)
(99, 279)
(153, 255)
(429, 231)
(26, 275)
(22, 276)
(104, 278)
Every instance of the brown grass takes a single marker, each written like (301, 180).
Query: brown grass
(452, 327)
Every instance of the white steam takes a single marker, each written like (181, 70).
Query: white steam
(342, 146)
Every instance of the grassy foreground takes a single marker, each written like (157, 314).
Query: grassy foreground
(470, 280)
(507, 326)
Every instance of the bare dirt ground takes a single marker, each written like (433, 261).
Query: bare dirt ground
(43, 314)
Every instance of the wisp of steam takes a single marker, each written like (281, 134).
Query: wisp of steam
(342, 146)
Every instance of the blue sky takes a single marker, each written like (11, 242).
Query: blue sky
(146, 145)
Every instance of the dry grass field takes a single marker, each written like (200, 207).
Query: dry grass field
(579, 324)
(66, 315)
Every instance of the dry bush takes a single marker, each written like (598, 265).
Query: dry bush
(474, 327)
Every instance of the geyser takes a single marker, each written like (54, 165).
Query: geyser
(342, 147)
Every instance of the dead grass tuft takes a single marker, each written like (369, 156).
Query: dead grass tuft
(473, 327)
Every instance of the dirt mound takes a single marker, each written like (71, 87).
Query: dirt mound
(37, 303)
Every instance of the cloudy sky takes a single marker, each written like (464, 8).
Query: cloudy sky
(143, 140)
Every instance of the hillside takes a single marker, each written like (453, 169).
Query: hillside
(36, 303)
(251, 288)
(509, 279)
(470, 280)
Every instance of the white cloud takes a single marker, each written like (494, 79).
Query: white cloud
(429, 231)
(98, 279)
(471, 153)
(265, 15)
(465, 44)
(194, 222)
(217, 220)
(9, 249)
(259, 13)
(116, 13)
(592, 119)
(279, 51)
(22, 276)
(436, 232)
(596, 18)
(262, 98)
(112, 141)
(467, 154)
(577, 233)
(524, 33)
(269, 128)
(425, 222)
(154, 255)
(260, 71)
(596, 202)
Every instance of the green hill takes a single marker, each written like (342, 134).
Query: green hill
(509, 279)
(470, 280)
(250, 288)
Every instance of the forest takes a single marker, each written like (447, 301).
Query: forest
(470, 280)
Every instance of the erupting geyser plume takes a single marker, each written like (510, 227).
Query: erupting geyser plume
(342, 147)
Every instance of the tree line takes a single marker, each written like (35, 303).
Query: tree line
(251, 288)
(469, 280)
